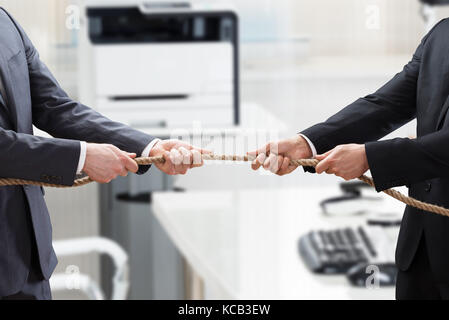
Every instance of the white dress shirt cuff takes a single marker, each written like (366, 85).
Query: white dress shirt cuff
(147, 150)
(311, 145)
(82, 159)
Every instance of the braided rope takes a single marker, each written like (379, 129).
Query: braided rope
(304, 162)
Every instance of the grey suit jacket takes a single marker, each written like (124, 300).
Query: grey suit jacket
(33, 96)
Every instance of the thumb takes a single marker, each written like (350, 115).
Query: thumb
(323, 156)
(264, 150)
(131, 155)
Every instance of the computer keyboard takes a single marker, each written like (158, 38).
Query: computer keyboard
(337, 251)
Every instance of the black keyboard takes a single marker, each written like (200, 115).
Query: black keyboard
(336, 251)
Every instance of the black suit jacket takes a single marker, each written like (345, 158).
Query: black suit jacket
(420, 91)
(34, 97)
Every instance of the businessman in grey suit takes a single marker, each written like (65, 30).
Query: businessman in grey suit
(29, 95)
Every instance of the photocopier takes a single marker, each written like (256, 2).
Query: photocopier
(155, 65)
(163, 63)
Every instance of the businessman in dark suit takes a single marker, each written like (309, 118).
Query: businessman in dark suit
(29, 95)
(347, 146)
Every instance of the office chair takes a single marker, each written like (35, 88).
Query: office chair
(84, 284)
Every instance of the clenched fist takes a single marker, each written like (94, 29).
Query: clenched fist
(105, 162)
(179, 156)
(276, 156)
(347, 161)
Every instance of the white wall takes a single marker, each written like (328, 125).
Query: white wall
(344, 27)
(336, 27)
(44, 22)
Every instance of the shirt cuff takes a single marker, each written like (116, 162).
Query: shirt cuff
(311, 145)
(147, 150)
(82, 159)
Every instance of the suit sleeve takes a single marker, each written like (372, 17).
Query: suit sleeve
(376, 115)
(400, 162)
(62, 117)
(28, 157)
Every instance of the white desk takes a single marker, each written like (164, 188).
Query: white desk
(244, 243)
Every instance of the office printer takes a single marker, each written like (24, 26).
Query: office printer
(155, 65)
(164, 64)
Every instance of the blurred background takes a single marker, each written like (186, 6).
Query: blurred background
(240, 68)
